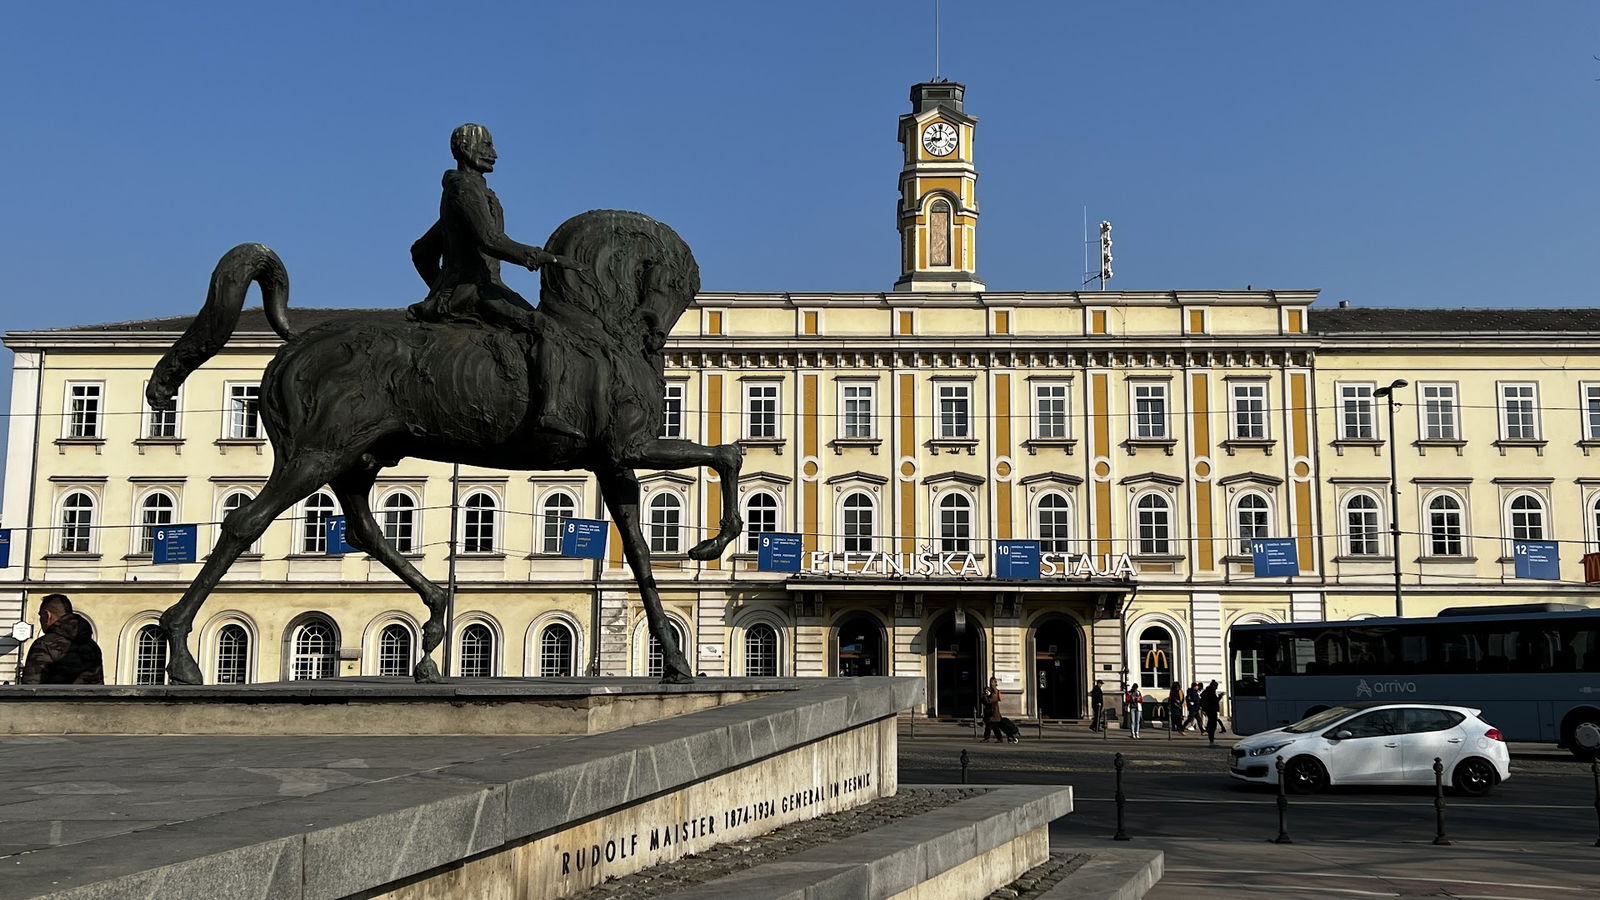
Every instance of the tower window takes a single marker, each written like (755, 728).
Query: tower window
(939, 233)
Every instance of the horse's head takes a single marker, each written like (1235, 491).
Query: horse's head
(634, 275)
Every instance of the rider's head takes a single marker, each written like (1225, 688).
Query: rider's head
(472, 146)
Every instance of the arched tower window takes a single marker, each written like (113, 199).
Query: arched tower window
(939, 237)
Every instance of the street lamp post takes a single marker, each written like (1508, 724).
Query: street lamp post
(1387, 393)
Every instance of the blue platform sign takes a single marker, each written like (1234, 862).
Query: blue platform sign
(1016, 559)
(333, 533)
(584, 538)
(778, 553)
(1538, 559)
(1275, 557)
(5, 548)
(173, 544)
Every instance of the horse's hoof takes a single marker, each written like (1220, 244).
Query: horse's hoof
(710, 548)
(674, 677)
(427, 673)
(184, 671)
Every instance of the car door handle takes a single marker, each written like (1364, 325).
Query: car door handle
(1391, 745)
(1453, 741)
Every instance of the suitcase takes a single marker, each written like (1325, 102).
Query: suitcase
(1010, 730)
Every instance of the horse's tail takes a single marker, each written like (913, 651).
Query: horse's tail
(211, 329)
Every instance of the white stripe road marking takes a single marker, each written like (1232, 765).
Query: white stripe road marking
(1165, 882)
(1352, 875)
(1267, 801)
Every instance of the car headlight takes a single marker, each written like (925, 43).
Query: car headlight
(1269, 749)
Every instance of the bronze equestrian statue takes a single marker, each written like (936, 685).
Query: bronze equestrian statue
(478, 377)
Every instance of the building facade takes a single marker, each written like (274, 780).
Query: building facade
(1143, 439)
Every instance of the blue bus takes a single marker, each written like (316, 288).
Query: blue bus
(1533, 669)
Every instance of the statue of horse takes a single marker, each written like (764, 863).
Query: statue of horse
(347, 398)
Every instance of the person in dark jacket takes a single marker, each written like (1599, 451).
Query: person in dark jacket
(1192, 699)
(1211, 704)
(1097, 702)
(991, 712)
(65, 652)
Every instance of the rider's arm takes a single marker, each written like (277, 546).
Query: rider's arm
(473, 202)
(426, 252)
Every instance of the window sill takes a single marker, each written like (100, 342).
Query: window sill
(953, 445)
(1363, 559)
(1507, 443)
(774, 444)
(76, 556)
(839, 444)
(463, 556)
(1066, 445)
(223, 444)
(1134, 445)
(1446, 560)
(1156, 557)
(1441, 443)
(1234, 444)
(555, 555)
(175, 443)
(1342, 444)
(1588, 445)
(97, 443)
(293, 557)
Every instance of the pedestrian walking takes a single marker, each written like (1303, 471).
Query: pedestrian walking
(1097, 705)
(65, 651)
(1174, 707)
(1211, 704)
(1192, 700)
(991, 712)
(1135, 700)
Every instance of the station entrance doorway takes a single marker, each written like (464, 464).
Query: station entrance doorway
(1057, 665)
(957, 657)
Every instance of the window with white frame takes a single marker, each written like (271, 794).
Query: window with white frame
(237, 500)
(84, 409)
(1252, 520)
(555, 651)
(314, 648)
(1051, 419)
(150, 656)
(1445, 528)
(1591, 412)
(953, 401)
(156, 510)
(1356, 422)
(1361, 526)
(1519, 412)
(394, 651)
(761, 410)
(760, 517)
(1153, 524)
(76, 528)
(233, 655)
(558, 507)
(1054, 516)
(400, 521)
(672, 411)
(666, 523)
(760, 651)
(318, 508)
(1157, 659)
(1439, 413)
(655, 659)
(479, 513)
(858, 402)
(1527, 518)
(244, 412)
(857, 520)
(477, 651)
(160, 424)
(955, 523)
(1594, 521)
(1248, 402)
(1149, 410)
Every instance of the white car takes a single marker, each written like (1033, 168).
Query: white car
(1378, 743)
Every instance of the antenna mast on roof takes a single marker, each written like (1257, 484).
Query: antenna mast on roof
(935, 40)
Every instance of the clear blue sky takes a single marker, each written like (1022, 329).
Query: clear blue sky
(1416, 153)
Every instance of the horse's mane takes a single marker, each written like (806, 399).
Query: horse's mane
(636, 277)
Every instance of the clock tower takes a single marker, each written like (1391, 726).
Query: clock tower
(938, 210)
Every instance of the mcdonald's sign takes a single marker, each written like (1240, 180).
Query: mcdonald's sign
(1591, 568)
(1156, 659)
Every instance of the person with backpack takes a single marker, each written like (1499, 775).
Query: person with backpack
(991, 712)
(1211, 704)
(1135, 702)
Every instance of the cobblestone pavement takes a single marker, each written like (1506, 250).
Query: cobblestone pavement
(1042, 877)
(775, 845)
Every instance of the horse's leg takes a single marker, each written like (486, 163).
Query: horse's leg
(352, 487)
(620, 488)
(726, 459)
(290, 483)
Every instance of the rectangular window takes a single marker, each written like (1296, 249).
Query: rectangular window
(84, 409)
(955, 411)
(857, 404)
(1591, 412)
(1050, 421)
(1355, 413)
(160, 425)
(244, 412)
(672, 411)
(1249, 404)
(1439, 412)
(1519, 412)
(761, 410)
(1149, 411)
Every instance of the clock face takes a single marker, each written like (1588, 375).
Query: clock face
(939, 139)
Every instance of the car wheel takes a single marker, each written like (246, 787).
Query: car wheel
(1475, 776)
(1305, 775)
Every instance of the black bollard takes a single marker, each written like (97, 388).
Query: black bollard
(1283, 809)
(965, 761)
(1122, 801)
(1438, 803)
(1594, 768)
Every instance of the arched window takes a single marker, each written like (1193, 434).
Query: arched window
(400, 521)
(1055, 523)
(233, 501)
(655, 660)
(1361, 525)
(760, 517)
(313, 647)
(955, 524)
(155, 511)
(1444, 526)
(760, 651)
(1250, 517)
(939, 233)
(77, 522)
(233, 655)
(394, 651)
(1157, 658)
(314, 522)
(150, 656)
(558, 508)
(1153, 519)
(666, 523)
(1527, 518)
(1594, 518)
(477, 651)
(555, 651)
(858, 523)
(478, 523)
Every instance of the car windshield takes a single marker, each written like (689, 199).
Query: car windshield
(1312, 723)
